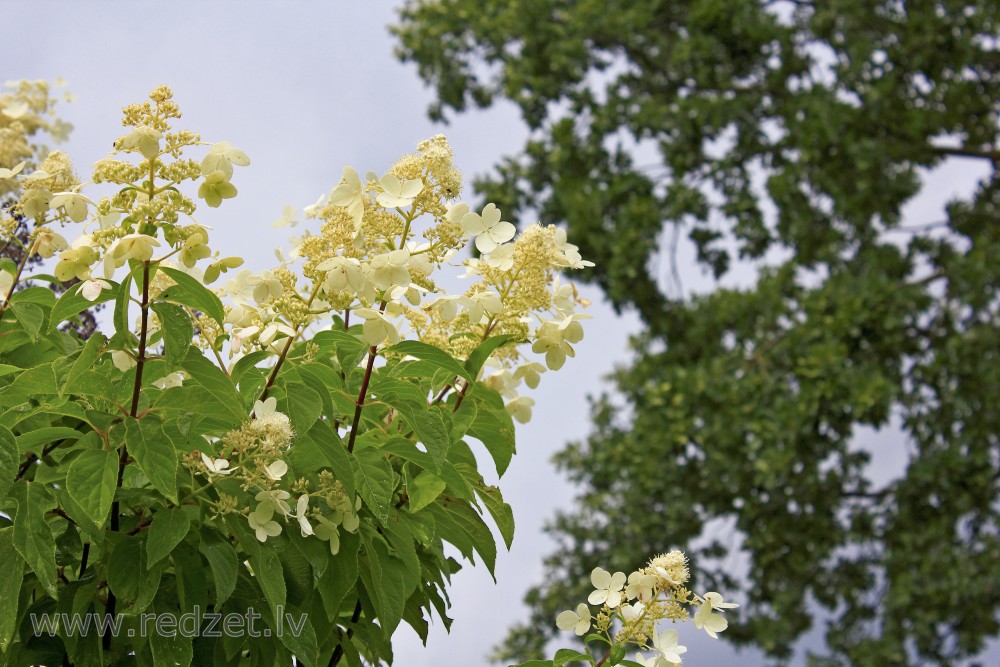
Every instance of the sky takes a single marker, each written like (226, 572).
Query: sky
(305, 88)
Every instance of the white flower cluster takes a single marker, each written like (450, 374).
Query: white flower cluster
(631, 606)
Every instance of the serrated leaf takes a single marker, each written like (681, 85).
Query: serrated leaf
(178, 331)
(423, 489)
(168, 528)
(72, 303)
(89, 354)
(347, 348)
(32, 535)
(121, 318)
(373, 480)
(225, 399)
(154, 452)
(191, 293)
(434, 355)
(462, 526)
(35, 440)
(91, 482)
(493, 427)
(477, 359)
(384, 580)
(566, 655)
(31, 317)
(501, 512)
(11, 576)
(223, 561)
(10, 457)
(426, 421)
(302, 405)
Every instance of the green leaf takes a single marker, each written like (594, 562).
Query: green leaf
(347, 348)
(535, 663)
(35, 440)
(171, 649)
(223, 561)
(32, 535)
(154, 452)
(435, 355)
(616, 654)
(566, 655)
(322, 447)
(11, 576)
(423, 489)
(168, 528)
(501, 512)
(191, 293)
(247, 362)
(89, 354)
(225, 398)
(462, 526)
(373, 480)
(302, 405)
(493, 427)
(477, 359)
(426, 421)
(31, 317)
(121, 319)
(41, 296)
(91, 481)
(10, 460)
(72, 303)
(384, 579)
(177, 331)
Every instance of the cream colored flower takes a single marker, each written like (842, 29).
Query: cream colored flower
(609, 587)
(222, 157)
(350, 194)
(145, 140)
(578, 621)
(398, 193)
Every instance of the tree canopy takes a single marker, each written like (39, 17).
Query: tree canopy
(790, 135)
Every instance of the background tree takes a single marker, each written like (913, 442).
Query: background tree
(790, 134)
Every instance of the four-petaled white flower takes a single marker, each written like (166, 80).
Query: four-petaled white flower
(260, 520)
(134, 246)
(350, 194)
(377, 327)
(632, 612)
(480, 303)
(711, 623)
(216, 466)
(666, 644)
(718, 602)
(48, 242)
(609, 587)
(300, 515)
(264, 409)
(145, 140)
(276, 470)
(489, 230)
(341, 273)
(287, 218)
(215, 188)
(390, 269)
(398, 193)
(326, 530)
(531, 373)
(640, 586)
(520, 408)
(578, 621)
(222, 157)
(74, 203)
(91, 289)
(276, 499)
(501, 257)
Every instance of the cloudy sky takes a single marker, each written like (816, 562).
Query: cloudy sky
(305, 88)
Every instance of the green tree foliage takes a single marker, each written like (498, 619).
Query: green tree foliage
(789, 134)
